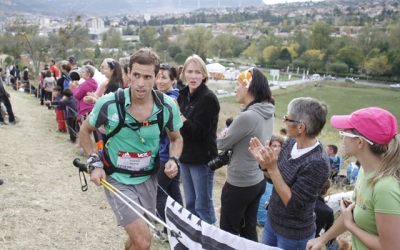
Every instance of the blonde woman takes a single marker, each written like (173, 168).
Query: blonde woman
(199, 112)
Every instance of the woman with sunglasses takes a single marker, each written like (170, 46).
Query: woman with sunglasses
(298, 175)
(373, 216)
(166, 185)
(245, 183)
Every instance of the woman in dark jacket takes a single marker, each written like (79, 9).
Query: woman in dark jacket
(199, 112)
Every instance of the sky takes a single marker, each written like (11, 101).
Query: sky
(283, 1)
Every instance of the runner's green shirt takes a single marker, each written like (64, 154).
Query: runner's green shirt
(129, 148)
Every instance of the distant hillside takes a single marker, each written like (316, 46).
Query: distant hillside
(64, 8)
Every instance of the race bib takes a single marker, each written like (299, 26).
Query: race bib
(133, 161)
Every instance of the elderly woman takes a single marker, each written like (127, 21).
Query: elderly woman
(245, 182)
(298, 175)
(81, 90)
(373, 219)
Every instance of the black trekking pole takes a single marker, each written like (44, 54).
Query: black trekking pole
(125, 199)
(82, 170)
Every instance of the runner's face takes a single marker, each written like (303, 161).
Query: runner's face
(142, 80)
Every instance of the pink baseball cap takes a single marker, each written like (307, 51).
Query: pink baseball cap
(376, 124)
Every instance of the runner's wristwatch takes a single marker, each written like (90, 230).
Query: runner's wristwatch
(176, 160)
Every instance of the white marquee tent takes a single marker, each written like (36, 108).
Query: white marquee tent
(215, 68)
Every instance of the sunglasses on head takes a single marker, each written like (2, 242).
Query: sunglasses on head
(165, 66)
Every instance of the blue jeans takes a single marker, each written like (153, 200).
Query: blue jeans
(197, 183)
(272, 238)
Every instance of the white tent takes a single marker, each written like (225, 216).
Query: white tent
(215, 68)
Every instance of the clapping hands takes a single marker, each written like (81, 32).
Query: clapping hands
(265, 156)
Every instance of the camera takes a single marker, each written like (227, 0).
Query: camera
(220, 160)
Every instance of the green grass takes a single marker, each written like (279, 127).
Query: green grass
(342, 98)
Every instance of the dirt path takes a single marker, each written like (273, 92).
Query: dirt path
(41, 204)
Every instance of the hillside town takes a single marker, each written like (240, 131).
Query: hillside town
(301, 13)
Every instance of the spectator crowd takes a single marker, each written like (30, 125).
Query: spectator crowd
(146, 126)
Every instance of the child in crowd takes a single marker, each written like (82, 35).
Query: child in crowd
(48, 84)
(228, 122)
(60, 110)
(323, 212)
(352, 172)
(283, 132)
(69, 104)
(41, 86)
(275, 144)
(335, 160)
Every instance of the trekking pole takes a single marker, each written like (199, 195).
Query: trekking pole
(117, 193)
(82, 170)
(126, 200)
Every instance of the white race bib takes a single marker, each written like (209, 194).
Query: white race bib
(133, 161)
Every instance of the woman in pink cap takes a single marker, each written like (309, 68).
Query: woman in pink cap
(373, 216)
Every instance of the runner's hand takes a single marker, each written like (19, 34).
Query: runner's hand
(96, 175)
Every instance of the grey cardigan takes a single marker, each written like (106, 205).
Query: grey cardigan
(256, 121)
(305, 176)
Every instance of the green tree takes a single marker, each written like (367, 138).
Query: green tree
(312, 54)
(112, 38)
(174, 50)
(72, 37)
(338, 68)
(148, 36)
(271, 54)
(293, 48)
(394, 57)
(180, 58)
(196, 41)
(97, 51)
(226, 45)
(251, 51)
(350, 55)
(300, 38)
(378, 66)
(313, 59)
(320, 36)
(285, 55)
(394, 36)
(27, 41)
(369, 38)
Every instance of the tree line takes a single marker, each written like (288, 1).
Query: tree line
(320, 47)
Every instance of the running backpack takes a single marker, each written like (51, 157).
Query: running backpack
(120, 102)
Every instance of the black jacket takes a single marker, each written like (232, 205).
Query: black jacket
(199, 131)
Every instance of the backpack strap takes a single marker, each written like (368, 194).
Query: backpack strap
(160, 115)
(120, 102)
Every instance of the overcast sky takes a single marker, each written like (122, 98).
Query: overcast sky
(284, 1)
